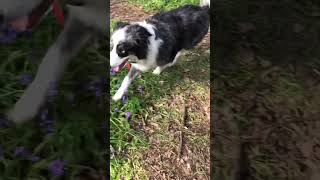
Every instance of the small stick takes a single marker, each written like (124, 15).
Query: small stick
(184, 120)
(181, 144)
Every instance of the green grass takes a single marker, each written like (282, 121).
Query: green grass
(78, 136)
(156, 5)
(130, 143)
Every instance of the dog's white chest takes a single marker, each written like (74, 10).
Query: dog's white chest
(143, 66)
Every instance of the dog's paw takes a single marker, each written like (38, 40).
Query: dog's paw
(22, 112)
(157, 71)
(117, 97)
(28, 105)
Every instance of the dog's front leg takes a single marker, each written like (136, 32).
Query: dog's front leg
(125, 83)
(73, 37)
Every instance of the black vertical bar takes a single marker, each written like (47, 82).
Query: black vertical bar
(107, 100)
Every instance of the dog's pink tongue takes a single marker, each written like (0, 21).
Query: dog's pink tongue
(20, 24)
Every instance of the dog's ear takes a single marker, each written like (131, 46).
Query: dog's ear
(120, 24)
(147, 33)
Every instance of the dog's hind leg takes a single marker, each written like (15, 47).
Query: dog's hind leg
(159, 69)
(73, 37)
(125, 83)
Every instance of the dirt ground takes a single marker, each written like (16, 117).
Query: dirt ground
(266, 122)
(179, 136)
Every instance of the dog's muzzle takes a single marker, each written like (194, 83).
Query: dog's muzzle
(10, 29)
(118, 68)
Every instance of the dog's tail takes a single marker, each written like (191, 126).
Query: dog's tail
(205, 4)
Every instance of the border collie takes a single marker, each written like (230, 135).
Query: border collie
(86, 20)
(157, 42)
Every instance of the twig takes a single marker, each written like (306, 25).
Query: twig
(185, 117)
(181, 144)
(183, 125)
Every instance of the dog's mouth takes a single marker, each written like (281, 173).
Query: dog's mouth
(19, 24)
(27, 21)
(118, 68)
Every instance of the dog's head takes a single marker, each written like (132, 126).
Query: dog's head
(128, 41)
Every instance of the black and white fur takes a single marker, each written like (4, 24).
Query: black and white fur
(157, 42)
(86, 20)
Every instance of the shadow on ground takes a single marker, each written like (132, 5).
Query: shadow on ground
(266, 80)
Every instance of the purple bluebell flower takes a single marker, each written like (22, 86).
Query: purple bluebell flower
(26, 79)
(103, 83)
(98, 92)
(117, 110)
(52, 93)
(140, 88)
(124, 99)
(7, 34)
(56, 167)
(46, 127)
(34, 158)
(4, 123)
(21, 151)
(44, 114)
(46, 122)
(48, 130)
(95, 87)
(112, 72)
(127, 114)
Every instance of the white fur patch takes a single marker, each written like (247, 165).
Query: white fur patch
(124, 86)
(150, 28)
(118, 36)
(153, 49)
(159, 69)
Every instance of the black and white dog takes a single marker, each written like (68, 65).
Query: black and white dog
(86, 20)
(157, 42)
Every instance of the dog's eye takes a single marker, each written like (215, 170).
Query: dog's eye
(121, 51)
